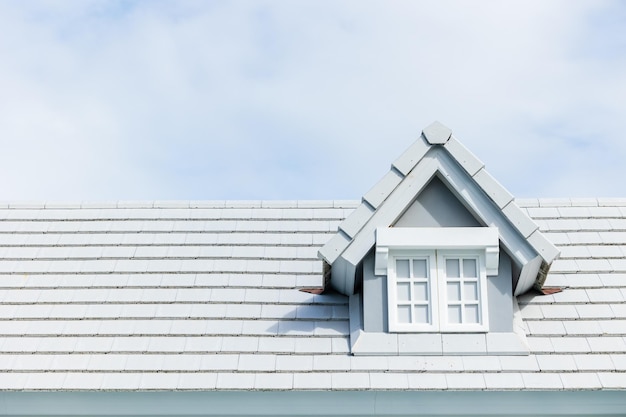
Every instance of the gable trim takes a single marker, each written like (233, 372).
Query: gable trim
(438, 162)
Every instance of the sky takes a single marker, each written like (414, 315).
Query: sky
(265, 100)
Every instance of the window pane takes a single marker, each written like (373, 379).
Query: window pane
(402, 268)
(454, 314)
(470, 291)
(420, 268)
(452, 268)
(404, 314)
(404, 291)
(454, 291)
(420, 291)
(469, 268)
(471, 314)
(421, 314)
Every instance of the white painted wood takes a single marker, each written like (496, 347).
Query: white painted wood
(544, 247)
(420, 344)
(431, 237)
(379, 192)
(448, 238)
(519, 219)
(470, 163)
(494, 190)
(464, 344)
(391, 209)
(411, 157)
(355, 221)
(334, 248)
(436, 133)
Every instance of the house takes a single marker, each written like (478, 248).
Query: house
(437, 294)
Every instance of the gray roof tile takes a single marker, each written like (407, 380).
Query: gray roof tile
(576, 381)
(299, 363)
(219, 296)
(504, 381)
(556, 363)
(197, 381)
(465, 381)
(612, 380)
(274, 381)
(237, 381)
(428, 381)
(350, 381)
(387, 381)
(315, 381)
(549, 381)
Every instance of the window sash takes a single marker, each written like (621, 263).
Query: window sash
(414, 302)
(460, 280)
(431, 296)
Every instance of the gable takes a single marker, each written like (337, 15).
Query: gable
(436, 206)
(466, 177)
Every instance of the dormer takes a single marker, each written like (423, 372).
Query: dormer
(434, 256)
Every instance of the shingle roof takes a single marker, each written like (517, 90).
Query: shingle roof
(204, 296)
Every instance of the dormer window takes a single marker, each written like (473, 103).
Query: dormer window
(434, 255)
(437, 277)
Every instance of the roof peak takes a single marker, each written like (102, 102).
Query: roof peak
(436, 133)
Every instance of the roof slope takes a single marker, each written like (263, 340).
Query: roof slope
(203, 296)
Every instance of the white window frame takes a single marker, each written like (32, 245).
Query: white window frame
(437, 245)
(481, 280)
(437, 292)
(392, 293)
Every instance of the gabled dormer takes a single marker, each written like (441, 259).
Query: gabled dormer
(435, 255)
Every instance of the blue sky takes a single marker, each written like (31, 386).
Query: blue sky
(104, 100)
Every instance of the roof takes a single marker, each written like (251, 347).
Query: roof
(204, 296)
(438, 153)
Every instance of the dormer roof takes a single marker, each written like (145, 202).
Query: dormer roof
(437, 153)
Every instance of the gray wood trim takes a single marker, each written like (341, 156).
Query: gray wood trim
(436, 162)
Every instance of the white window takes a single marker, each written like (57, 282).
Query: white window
(437, 291)
(410, 292)
(437, 277)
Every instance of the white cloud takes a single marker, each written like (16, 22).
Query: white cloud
(278, 99)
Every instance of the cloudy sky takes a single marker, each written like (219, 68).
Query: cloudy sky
(103, 100)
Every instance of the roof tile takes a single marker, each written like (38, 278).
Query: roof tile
(576, 381)
(612, 380)
(548, 381)
(470, 163)
(407, 161)
(469, 381)
(237, 381)
(498, 194)
(504, 381)
(316, 381)
(197, 381)
(428, 381)
(350, 381)
(385, 381)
